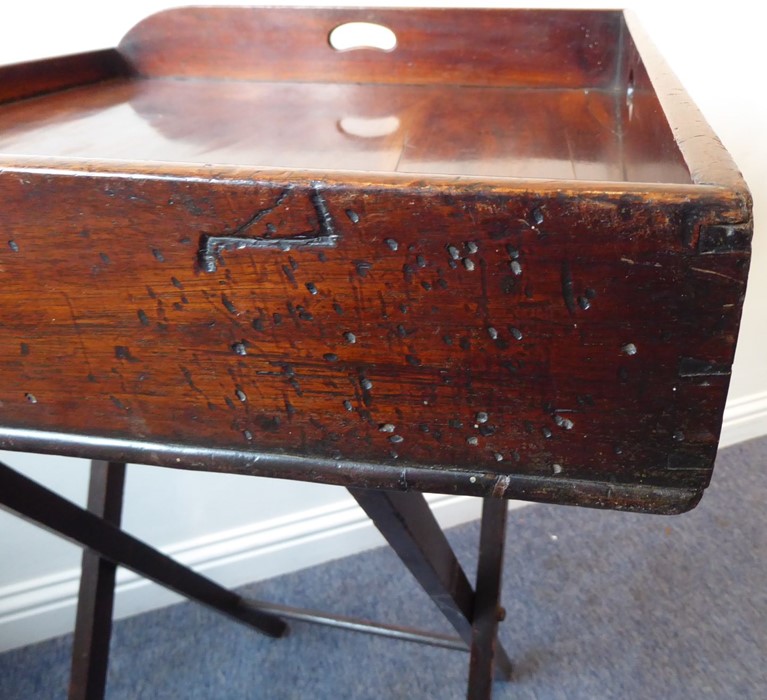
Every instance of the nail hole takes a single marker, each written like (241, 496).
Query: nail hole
(362, 35)
(565, 423)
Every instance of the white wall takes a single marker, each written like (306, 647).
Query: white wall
(238, 528)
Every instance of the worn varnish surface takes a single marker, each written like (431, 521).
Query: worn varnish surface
(549, 339)
(524, 132)
(514, 48)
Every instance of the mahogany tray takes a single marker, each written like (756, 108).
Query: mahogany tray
(506, 257)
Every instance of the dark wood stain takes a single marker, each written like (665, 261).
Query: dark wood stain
(592, 260)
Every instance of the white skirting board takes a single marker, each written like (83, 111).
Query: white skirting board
(744, 419)
(42, 608)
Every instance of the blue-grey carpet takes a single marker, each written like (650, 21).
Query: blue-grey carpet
(600, 605)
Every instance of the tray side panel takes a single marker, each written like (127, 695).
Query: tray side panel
(552, 336)
(34, 78)
(468, 47)
(646, 79)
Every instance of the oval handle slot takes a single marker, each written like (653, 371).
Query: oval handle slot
(369, 127)
(362, 35)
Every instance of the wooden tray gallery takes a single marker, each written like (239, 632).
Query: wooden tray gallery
(499, 254)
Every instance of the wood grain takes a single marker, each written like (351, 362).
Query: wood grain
(531, 288)
(557, 333)
(453, 46)
(524, 133)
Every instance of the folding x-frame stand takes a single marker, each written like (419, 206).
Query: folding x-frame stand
(404, 519)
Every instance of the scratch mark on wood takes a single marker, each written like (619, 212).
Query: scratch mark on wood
(230, 307)
(693, 367)
(502, 483)
(261, 213)
(78, 331)
(717, 274)
(567, 286)
(119, 404)
(629, 261)
(190, 381)
(288, 272)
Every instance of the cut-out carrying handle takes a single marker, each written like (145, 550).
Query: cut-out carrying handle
(355, 36)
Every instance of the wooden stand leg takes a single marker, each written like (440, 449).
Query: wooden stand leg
(404, 519)
(93, 626)
(487, 611)
(48, 509)
(410, 528)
